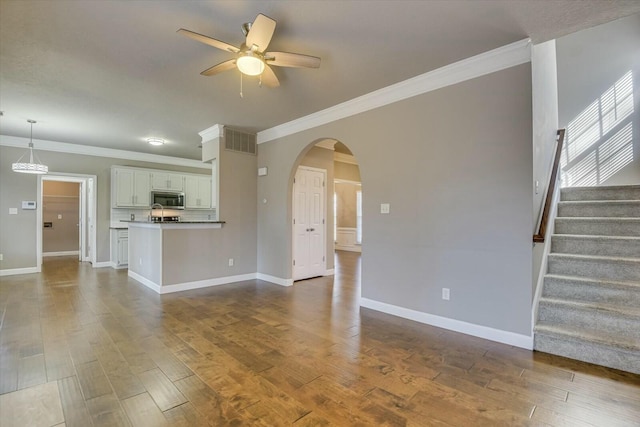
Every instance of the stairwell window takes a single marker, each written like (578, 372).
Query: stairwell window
(600, 138)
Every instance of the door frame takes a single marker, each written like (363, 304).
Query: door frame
(293, 215)
(88, 210)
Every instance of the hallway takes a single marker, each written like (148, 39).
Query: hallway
(84, 346)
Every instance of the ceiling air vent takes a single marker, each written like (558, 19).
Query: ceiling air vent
(241, 142)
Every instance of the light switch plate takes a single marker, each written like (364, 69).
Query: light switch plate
(384, 208)
(13, 211)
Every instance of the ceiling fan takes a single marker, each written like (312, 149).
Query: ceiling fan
(251, 57)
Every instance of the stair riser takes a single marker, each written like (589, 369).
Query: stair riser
(588, 352)
(600, 320)
(626, 210)
(597, 228)
(592, 293)
(599, 247)
(595, 269)
(600, 193)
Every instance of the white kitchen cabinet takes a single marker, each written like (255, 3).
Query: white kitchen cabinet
(131, 188)
(167, 181)
(198, 192)
(119, 248)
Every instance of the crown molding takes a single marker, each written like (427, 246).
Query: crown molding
(476, 66)
(87, 150)
(344, 158)
(211, 133)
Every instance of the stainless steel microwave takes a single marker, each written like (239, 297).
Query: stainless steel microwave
(168, 199)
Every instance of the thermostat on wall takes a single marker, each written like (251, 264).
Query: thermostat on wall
(28, 204)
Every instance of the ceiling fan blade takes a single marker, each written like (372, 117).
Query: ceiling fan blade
(208, 40)
(261, 32)
(286, 59)
(219, 68)
(269, 78)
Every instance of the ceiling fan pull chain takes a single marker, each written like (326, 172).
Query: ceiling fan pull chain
(260, 81)
(241, 96)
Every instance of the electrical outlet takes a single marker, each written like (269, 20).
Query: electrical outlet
(1, 257)
(384, 208)
(59, 216)
(446, 294)
(140, 261)
(230, 262)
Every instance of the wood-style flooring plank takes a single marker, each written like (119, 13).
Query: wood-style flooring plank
(252, 353)
(73, 404)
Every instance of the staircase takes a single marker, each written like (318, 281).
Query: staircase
(590, 304)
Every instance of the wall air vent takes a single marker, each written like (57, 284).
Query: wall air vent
(241, 142)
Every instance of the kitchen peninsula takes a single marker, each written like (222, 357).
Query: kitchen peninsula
(175, 256)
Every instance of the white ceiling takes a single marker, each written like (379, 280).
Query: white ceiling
(112, 73)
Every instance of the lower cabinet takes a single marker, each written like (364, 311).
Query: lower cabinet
(120, 248)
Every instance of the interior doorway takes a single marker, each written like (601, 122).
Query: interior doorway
(61, 215)
(309, 222)
(86, 213)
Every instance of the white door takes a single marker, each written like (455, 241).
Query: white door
(308, 223)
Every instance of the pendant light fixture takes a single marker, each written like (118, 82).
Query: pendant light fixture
(32, 167)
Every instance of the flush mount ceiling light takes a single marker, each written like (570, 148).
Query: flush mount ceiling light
(155, 141)
(34, 167)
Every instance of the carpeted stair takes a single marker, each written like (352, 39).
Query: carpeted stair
(590, 304)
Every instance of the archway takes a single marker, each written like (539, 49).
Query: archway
(326, 213)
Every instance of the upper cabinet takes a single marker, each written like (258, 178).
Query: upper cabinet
(130, 188)
(167, 181)
(198, 192)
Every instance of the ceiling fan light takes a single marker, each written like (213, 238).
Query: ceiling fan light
(250, 64)
(155, 141)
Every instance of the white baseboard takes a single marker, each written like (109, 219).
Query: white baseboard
(329, 272)
(187, 286)
(178, 287)
(355, 248)
(60, 253)
(491, 334)
(102, 264)
(148, 283)
(116, 266)
(16, 271)
(277, 280)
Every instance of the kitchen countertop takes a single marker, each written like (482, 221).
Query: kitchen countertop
(173, 222)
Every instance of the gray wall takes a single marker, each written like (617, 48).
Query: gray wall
(238, 207)
(18, 232)
(457, 172)
(589, 63)
(61, 207)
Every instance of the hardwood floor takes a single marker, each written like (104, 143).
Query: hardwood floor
(82, 346)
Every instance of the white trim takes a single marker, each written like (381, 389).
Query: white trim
(115, 266)
(273, 279)
(345, 158)
(103, 264)
(148, 283)
(498, 335)
(15, 271)
(346, 181)
(60, 253)
(211, 133)
(551, 225)
(327, 143)
(87, 150)
(176, 225)
(485, 63)
(329, 272)
(187, 286)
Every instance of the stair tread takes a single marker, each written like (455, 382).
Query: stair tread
(594, 281)
(628, 311)
(590, 335)
(594, 257)
(595, 237)
(600, 218)
(602, 187)
(600, 201)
